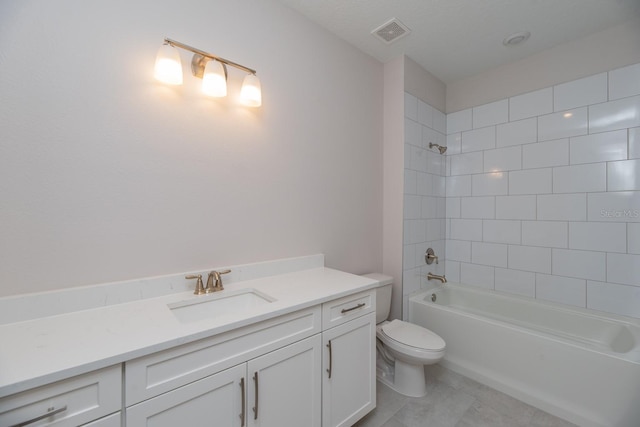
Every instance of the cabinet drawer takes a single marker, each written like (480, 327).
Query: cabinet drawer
(113, 420)
(161, 372)
(342, 310)
(69, 402)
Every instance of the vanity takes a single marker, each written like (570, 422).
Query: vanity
(287, 343)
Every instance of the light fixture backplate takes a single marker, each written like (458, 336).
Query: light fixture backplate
(199, 62)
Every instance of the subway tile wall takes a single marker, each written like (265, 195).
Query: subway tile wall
(542, 194)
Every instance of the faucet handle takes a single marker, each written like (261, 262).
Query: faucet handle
(199, 286)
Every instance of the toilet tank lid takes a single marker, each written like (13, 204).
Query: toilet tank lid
(382, 279)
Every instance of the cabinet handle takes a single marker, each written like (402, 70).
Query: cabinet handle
(255, 408)
(50, 412)
(330, 360)
(346, 310)
(242, 414)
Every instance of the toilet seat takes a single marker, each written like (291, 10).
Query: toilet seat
(410, 335)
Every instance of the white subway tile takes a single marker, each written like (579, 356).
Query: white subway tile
(599, 147)
(439, 186)
(581, 92)
(579, 264)
(564, 290)
(430, 136)
(620, 114)
(479, 139)
(530, 181)
(580, 178)
(623, 268)
(411, 280)
(466, 229)
(458, 250)
(546, 154)
(425, 113)
(480, 276)
(452, 270)
(491, 114)
(417, 158)
(409, 257)
(410, 182)
(550, 234)
(563, 124)
(458, 186)
(429, 207)
(489, 184)
(459, 121)
(424, 184)
(501, 231)
(440, 121)
(412, 133)
(442, 207)
(634, 143)
(562, 207)
(517, 133)
(503, 159)
(435, 163)
(466, 163)
(415, 231)
(598, 236)
(516, 207)
(410, 106)
(489, 254)
(412, 206)
(478, 207)
(624, 82)
(530, 258)
(623, 175)
(435, 229)
(633, 238)
(453, 207)
(619, 299)
(531, 104)
(622, 206)
(454, 143)
(515, 282)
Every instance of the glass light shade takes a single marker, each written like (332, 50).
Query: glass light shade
(168, 65)
(251, 93)
(214, 82)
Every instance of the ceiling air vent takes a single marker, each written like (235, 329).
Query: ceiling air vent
(391, 31)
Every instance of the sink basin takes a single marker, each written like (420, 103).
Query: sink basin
(219, 304)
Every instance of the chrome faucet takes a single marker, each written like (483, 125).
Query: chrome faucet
(442, 278)
(214, 281)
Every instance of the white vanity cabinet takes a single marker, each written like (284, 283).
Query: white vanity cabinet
(349, 382)
(67, 403)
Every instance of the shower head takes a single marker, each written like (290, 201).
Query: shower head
(440, 148)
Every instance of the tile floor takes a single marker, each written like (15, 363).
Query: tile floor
(454, 400)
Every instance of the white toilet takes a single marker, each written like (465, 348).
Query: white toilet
(403, 348)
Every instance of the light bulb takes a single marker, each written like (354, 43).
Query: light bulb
(251, 93)
(168, 65)
(214, 81)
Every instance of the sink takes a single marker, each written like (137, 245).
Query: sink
(219, 304)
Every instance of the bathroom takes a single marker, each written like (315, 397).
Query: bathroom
(107, 175)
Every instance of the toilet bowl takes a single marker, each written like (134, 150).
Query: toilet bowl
(403, 349)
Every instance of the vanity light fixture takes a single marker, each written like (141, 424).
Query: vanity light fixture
(210, 68)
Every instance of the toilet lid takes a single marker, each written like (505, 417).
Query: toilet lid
(413, 335)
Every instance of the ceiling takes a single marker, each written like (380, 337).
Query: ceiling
(456, 39)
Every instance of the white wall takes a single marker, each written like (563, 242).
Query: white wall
(543, 193)
(600, 52)
(106, 174)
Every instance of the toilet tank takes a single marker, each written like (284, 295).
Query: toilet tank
(383, 295)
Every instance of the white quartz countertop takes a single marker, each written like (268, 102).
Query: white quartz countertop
(39, 351)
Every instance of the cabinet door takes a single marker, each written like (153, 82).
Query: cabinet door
(285, 386)
(349, 379)
(215, 400)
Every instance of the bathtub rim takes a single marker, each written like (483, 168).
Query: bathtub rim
(632, 356)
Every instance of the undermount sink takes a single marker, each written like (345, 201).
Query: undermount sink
(219, 304)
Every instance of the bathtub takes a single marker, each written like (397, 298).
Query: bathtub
(577, 364)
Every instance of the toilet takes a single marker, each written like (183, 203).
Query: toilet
(402, 348)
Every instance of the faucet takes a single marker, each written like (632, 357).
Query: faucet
(442, 278)
(214, 281)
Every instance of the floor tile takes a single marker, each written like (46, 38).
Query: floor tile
(482, 415)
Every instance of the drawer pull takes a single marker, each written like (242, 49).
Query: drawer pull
(242, 414)
(51, 412)
(346, 310)
(255, 408)
(330, 360)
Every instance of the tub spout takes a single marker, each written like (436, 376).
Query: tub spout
(442, 278)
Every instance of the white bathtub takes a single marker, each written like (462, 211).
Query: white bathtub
(578, 364)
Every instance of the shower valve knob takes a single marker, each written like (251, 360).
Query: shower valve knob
(430, 256)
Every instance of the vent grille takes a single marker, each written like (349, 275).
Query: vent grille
(391, 31)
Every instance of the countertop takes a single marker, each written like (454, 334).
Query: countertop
(40, 351)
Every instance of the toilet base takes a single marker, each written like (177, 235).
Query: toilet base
(407, 379)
